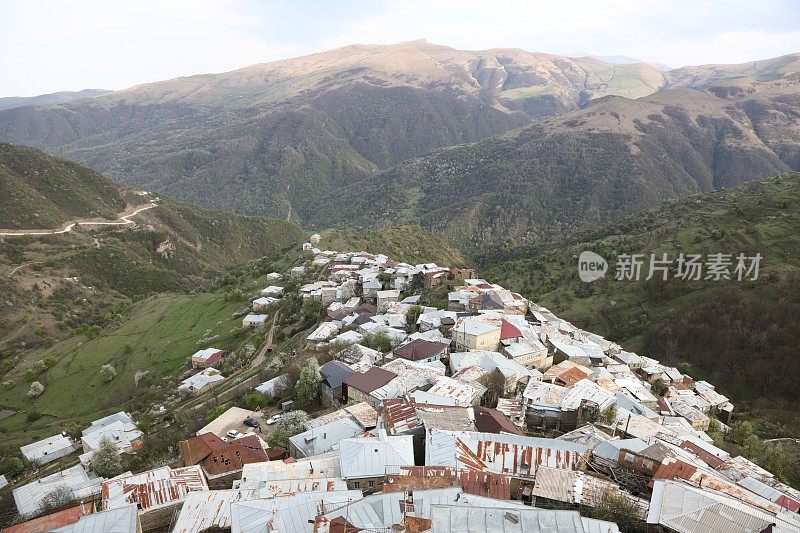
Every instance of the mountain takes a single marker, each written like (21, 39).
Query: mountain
(275, 138)
(612, 157)
(10, 102)
(740, 335)
(41, 191)
(53, 284)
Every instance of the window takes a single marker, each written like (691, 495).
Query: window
(356, 484)
(371, 484)
(628, 457)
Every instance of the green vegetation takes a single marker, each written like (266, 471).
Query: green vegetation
(306, 390)
(106, 461)
(41, 191)
(410, 244)
(288, 426)
(741, 336)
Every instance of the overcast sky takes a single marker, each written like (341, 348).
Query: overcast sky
(50, 46)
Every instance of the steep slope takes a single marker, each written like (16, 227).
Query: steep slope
(54, 284)
(40, 191)
(613, 157)
(276, 138)
(741, 335)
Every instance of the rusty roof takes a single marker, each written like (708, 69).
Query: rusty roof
(487, 484)
(154, 488)
(401, 415)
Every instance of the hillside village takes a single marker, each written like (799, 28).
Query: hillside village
(445, 403)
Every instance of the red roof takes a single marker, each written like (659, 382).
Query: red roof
(508, 330)
(52, 521)
(215, 357)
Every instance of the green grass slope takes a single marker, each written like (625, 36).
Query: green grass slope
(410, 244)
(41, 191)
(742, 336)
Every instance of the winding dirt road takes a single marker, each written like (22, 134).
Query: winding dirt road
(121, 221)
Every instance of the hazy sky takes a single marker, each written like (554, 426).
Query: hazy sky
(50, 46)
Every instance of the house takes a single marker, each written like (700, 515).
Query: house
(513, 455)
(323, 439)
(210, 510)
(422, 351)
(370, 288)
(298, 271)
(333, 375)
(360, 386)
(272, 290)
(276, 386)
(261, 475)
(273, 276)
(84, 485)
(364, 460)
(49, 449)
(475, 335)
(219, 458)
(514, 374)
(52, 521)
(119, 428)
(253, 320)
(158, 493)
(324, 331)
(461, 392)
(384, 298)
(122, 520)
(357, 354)
(207, 357)
(207, 377)
(262, 302)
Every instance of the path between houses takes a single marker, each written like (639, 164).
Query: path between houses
(121, 221)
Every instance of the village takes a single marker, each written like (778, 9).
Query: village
(450, 404)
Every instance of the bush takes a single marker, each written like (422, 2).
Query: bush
(255, 401)
(214, 412)
(36, 390)
(290, 425)
(108, 373)
(306, 390)
(9, 384)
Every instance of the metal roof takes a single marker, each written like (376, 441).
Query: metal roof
(512, 519)
(209, 508)
(463, 392)
(500, 453)
(153, 489)
(287, 514)
(334, 373)
(49, 449)
(325, 438)
(258, 475)
(122, 520)
(369, 456)
(29, 496)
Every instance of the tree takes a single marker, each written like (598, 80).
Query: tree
(108, 372)
(106, 461)
(495, 387)
(610, 415)
(36, 390)
(616, 507)
(378, 341)
(413, 315)
(306, 390)
(255, 401)
(289, 425)
(740, 431)
(56, 499)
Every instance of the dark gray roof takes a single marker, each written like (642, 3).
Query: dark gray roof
(334, 373)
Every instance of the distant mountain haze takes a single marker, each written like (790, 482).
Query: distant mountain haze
(500, 146)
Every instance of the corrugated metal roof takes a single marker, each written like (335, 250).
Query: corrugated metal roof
(257, 475)
(122, 520)
(29, 496)
(462, 519)
(464, 393)
(401, 415)
(209, 508)
(154, 488)
(369, 456)
(287, 514)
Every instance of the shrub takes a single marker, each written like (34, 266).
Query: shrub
(36, 390)
(106, 461)
(108, 373)
(9, 384)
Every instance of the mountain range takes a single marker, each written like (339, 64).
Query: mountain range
(492, 149)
